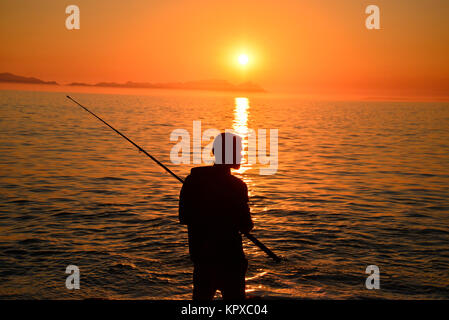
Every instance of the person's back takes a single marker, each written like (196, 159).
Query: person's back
(214, 205)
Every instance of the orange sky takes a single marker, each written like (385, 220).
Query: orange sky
(317, 47)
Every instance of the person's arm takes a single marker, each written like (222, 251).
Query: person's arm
(245, 221)
(184, 208)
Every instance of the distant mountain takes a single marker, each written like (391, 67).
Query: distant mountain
(9, 77)
(215, 85)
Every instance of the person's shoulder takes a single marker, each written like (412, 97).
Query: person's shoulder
(239, 182)
(199, 174)
(201, 171)
(237, 179)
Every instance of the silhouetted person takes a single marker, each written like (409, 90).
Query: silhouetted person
(214, 206)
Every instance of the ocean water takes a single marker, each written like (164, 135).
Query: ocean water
(358, 184)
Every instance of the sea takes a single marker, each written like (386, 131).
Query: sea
(358, 186)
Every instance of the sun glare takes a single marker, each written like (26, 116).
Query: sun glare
(243, 59)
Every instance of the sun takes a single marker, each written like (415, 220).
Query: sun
(243, 59)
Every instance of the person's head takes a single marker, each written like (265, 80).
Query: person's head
(227, 150)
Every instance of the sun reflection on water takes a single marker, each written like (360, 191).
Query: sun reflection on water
(240, 127)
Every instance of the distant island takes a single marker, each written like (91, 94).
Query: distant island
(215, 85)
(9, 77)
(210, 85)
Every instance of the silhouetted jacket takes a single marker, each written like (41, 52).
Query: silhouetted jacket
(214, 206)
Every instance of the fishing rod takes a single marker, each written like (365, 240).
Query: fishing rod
(270, 253)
